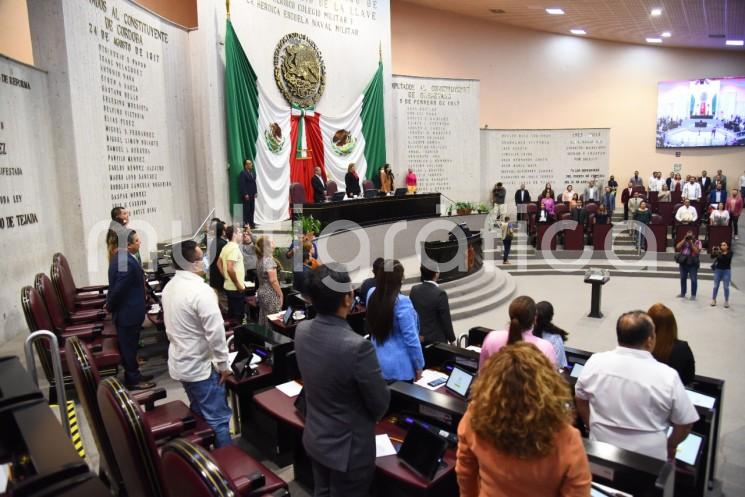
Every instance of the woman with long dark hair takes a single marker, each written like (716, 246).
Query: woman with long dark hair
(394, 326)
(522, 320)
(546, 329)
(516, 438)
(668, 349)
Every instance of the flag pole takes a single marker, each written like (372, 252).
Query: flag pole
(227, 7)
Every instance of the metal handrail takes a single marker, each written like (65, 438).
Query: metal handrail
(56, 367)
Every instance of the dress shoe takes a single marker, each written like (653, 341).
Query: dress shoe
(142, 385)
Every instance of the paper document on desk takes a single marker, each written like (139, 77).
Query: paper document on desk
(278, 315)
(474, 348)
(429, 375)
(291, 388)
(384, 446)
(701, 400)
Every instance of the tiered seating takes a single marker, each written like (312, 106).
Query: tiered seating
(139, 459)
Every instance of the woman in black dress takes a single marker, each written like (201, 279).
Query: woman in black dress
(668, 349)
(352, 181)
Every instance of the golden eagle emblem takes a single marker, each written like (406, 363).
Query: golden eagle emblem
(299, 70)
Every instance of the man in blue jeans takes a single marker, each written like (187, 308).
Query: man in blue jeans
(198, 353)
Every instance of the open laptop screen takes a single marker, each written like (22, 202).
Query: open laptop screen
(459, 381)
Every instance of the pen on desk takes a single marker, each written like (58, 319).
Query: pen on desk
(394, 439)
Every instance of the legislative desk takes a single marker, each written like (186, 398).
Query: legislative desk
(365, 211)
(445, 252)
(355, 318)
(392, 479)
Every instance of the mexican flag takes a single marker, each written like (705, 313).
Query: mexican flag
(287, 143)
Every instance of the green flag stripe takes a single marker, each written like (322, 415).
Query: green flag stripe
(241, 109)
(373, 125)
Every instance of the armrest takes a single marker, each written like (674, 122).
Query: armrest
(256, 480)
(147, 398)
(190, 422)
(81, 333)
(97, 347)
(92, 288)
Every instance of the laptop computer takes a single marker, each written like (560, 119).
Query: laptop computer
(287, 317)
(400, 192)
(371, 193)
(422, 451)
(459, 381)
(338, 196)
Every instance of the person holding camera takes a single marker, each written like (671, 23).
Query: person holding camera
(688, 261)
(722, 265)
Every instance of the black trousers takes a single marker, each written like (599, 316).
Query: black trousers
(129, 341)
(331, 483)
(249, 206)
(626, 212)
(236, 304)
(506, 246)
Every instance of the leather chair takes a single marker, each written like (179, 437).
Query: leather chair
(65, 286)
(62, 325)
(139, 460)
(659, 229)
(163, 418)
(639, 189)
(531, 210)
(331, 188)
(368, 185)
(104, 350)
(297, 194)
(561, 209)
(84, 292)
(190, 471)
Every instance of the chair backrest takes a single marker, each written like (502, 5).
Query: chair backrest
(532, 208)
(190, 471)
(331, 187)
(37, 318)
(368, 185)
(64, 285)
(60, 259)
(656, 219)
(131, 439)
(565, 216)
(297, 194)
(86, 378)
(44, 285)
(639, 189)
(561, 209)
(592, 208)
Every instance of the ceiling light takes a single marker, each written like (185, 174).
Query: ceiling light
(555, 12)
(666, 34)
(578, 31)
(735, 43)
(654, 40)
(656, 12)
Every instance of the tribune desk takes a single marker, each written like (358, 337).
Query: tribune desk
(366, 211)
(392, 479)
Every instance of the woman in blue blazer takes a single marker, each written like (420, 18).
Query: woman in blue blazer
(394, 326)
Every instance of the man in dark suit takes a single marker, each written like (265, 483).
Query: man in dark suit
(626, 195)
(706, 185)
(344, 389)
(370, 282)
(431, 304)
(319, 186)
(248, 192)
(126, 302)
(522, 199)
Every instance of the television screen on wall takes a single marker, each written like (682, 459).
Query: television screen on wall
(706, 112)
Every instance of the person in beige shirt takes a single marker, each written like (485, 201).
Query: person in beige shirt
(506, 449)
(386, 179)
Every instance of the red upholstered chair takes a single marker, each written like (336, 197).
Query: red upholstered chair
(139, 460)
(591, 208)
(76, 311)
(190, 471)
(64, 282)
(92, 291)
(561, 209)
(105, 351)
(658, 226)
(532, 211)
(62, 326)
(639, 189)
(164, 419)
(368, 185)
(297, 194)
(331, 188)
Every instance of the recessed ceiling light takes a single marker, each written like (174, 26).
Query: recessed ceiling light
(654, 40)
(656, 12)
(578, 31)
(735, 43)
(666, 34)
(555, 12)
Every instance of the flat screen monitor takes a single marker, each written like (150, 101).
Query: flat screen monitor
(400, 192)
(422, 451)
(577, 370)
(689, 449)
(371, 193)
(707, 112)
(338, 196)
(459, 381)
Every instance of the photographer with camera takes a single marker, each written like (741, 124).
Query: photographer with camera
(688, 261)
(722, 256)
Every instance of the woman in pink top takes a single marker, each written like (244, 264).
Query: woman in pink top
(734, 206)
(522, 319)
(411, 181)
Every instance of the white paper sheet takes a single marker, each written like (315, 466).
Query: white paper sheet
(384, 446)
(474, 348)
(430, 375)
(700, 399)
(291, 388)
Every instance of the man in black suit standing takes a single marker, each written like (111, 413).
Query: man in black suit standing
(431, 304)
(706, 185)
(248, 191)
(522, 199)
(126, 302)
(319, 186)
(345, 391)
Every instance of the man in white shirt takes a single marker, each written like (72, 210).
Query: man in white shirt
(591, 193)
(692, 189)
(686, 214)
(198, 353)
(628, 399)
(655, 182)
